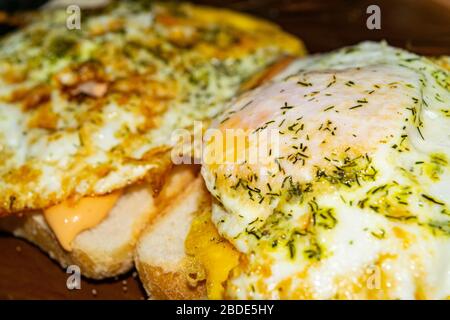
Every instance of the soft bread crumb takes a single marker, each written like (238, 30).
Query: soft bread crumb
(160, 254)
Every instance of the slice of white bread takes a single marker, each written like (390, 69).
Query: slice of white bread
(160, 256)
(107, 249)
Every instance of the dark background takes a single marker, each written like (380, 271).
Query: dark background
(422, 26)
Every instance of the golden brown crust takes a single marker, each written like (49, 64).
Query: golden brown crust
(164, 285)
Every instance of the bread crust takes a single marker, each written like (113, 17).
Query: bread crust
(163, 285)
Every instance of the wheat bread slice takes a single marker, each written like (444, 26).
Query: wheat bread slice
(107, 249)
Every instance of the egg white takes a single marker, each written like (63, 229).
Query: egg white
(355, 203)
(85, 112)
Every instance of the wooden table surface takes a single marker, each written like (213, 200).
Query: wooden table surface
(422, 26)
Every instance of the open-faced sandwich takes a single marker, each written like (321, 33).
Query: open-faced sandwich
(350, 201)
(87, 114)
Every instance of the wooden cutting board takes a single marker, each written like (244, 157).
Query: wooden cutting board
(420, 26)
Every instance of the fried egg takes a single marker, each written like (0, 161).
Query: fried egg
(85, 112)
(352, 199)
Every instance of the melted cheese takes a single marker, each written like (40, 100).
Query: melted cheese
(217, 256)
(68, 219)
